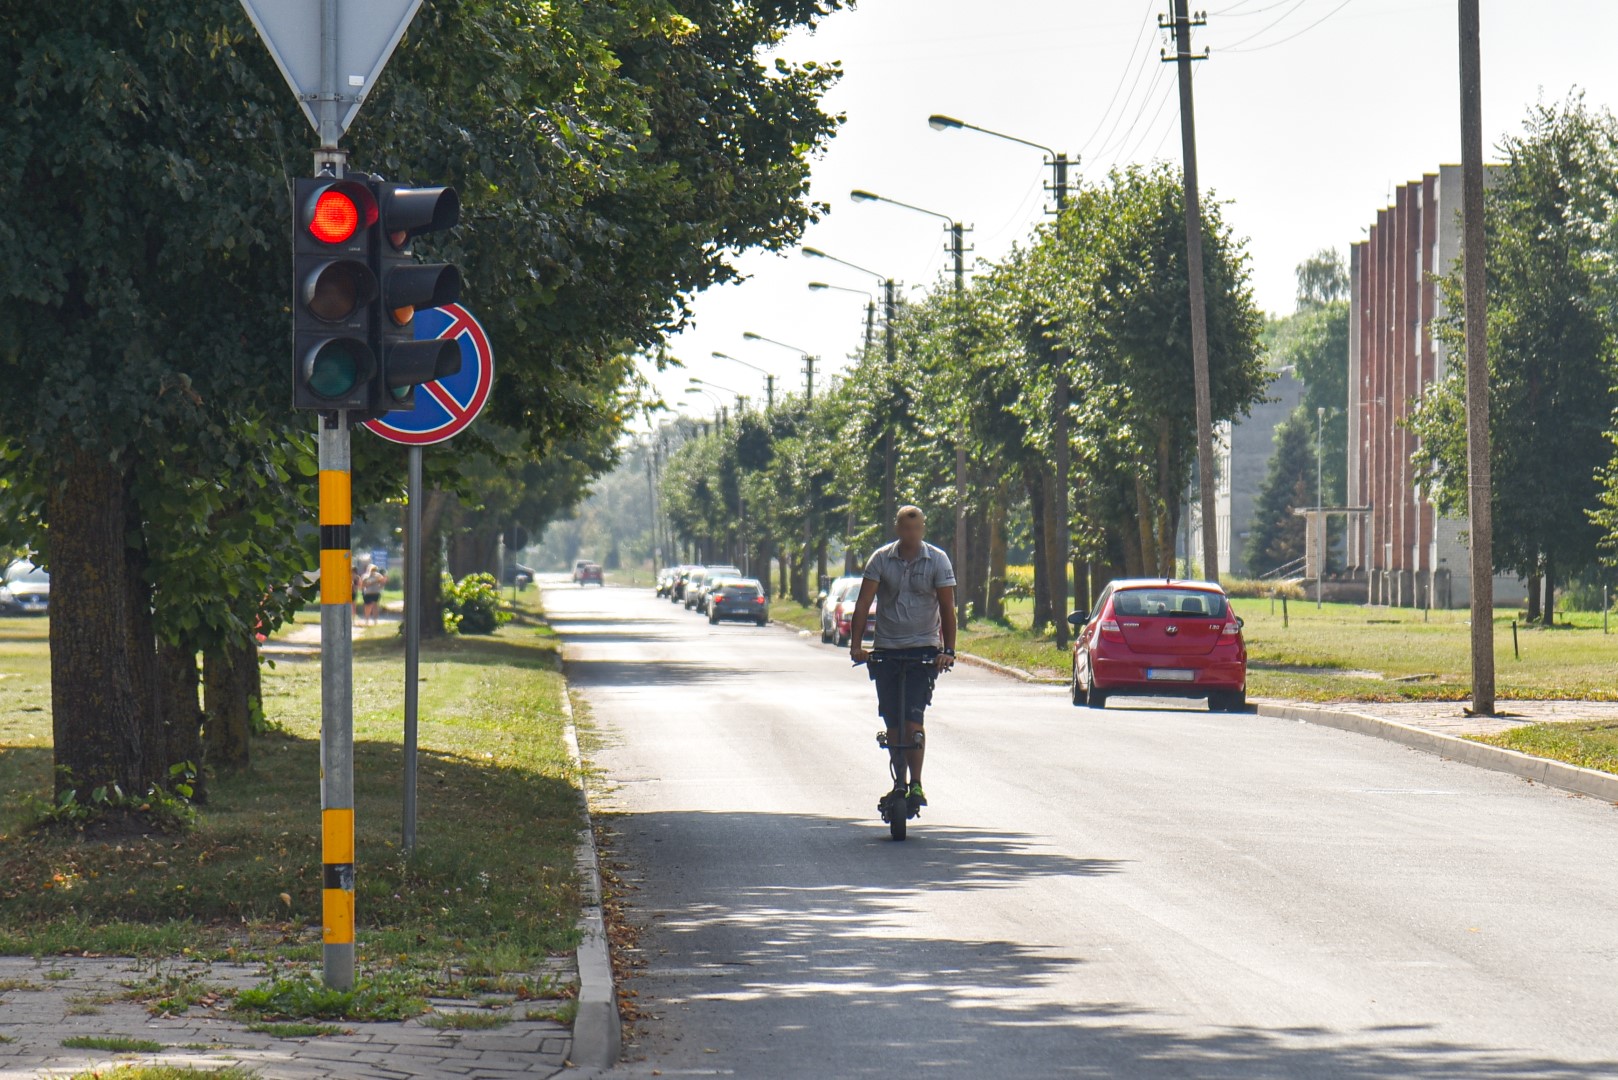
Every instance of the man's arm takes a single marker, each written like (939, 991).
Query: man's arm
(946, 619)
(862, 609)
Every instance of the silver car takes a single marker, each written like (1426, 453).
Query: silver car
(25, 589)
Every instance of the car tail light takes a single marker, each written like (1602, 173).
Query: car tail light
(758, 599)
(1231, 629)
(716, 596)
(1110, 631)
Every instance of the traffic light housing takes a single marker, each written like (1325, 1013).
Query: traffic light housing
(405, 287)
(335, 290)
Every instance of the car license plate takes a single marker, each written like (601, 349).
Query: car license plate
(1171, 674)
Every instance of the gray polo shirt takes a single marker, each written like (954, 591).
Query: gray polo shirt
(907, 596)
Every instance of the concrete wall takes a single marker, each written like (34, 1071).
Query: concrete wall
(1249, 445)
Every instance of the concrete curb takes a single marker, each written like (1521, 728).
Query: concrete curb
(1557, 774)
(597, 1027)
(1004, 669)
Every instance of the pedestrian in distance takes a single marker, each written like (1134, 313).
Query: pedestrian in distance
(371, 590)
(916, 586)
(355, 573)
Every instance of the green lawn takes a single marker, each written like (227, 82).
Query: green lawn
(1343, 652)
(491, 889)
(1591, 744)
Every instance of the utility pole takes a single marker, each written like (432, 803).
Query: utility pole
(769, 393)
(808, 378)
(1479, 482)
(1320, 504)
(1183, 23)
(889, 461)
(957, 244)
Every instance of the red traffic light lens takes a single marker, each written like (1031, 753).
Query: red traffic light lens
(334, 218)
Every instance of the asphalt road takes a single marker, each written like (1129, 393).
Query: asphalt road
(1144, 892)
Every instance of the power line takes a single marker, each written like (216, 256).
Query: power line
(1106, 140)
(1134, 48)
(1289, 37)
(1116, 147)
(1279, 19)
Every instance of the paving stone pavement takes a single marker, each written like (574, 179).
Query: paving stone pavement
(1450, 718)
(45, 1001)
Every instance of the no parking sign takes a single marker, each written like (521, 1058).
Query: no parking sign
(444, 407)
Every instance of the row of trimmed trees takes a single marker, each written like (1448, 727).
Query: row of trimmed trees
(1079, 339)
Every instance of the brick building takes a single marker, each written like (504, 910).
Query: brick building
(1408, 553)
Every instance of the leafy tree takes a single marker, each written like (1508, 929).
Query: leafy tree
(1278, 535)
(611, 159)
(1551, 338)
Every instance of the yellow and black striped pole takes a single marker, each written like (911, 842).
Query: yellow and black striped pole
(336, 703)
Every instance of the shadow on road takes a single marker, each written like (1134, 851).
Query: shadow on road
(791, 942)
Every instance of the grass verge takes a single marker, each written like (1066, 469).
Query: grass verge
(165, 1072)
(489, 889)
(1589, 744)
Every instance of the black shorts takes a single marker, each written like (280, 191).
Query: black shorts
(373, 597)
(916, 680)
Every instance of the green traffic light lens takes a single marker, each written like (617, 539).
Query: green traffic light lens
(334, 370)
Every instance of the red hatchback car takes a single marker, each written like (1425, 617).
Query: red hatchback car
(1160, 637)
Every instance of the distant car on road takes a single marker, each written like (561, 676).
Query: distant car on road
(738, 598)
(1160, 637)
(710, 575)
(837, 612)
(681, 579)
(25, 589)
(587, 573)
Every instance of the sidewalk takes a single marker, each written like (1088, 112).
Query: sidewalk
(48, 1000)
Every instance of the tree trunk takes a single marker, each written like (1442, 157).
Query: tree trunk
(1550, 592)
(995, 587)
(1533, 598)
(1144, 525)
(177, 686)
(98, 722)
(228, 681)
(433, 505)
(1035, 483)
(1056, 563)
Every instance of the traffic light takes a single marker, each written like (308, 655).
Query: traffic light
(406, 286)
(334, 293)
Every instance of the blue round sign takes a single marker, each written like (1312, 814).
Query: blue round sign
(444, 407)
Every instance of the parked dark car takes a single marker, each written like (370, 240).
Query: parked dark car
(1160, 638)
(738, 598)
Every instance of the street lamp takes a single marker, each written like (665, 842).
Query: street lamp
(808, 360)
(769, 379)
(1057, 162)
(889, 310)
(741, 398)
(957, 248)
(870, 305)
(957, 231)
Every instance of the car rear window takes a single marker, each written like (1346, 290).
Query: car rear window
(1169, 603)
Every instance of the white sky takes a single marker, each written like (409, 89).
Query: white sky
(1304, 135)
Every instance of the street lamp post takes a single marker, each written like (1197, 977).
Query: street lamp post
(1320, 504)
(769, 379)
(1057, 162)
(1059, 402)
(870, 305)
(808, 360)
(957, 248)
(890, 304)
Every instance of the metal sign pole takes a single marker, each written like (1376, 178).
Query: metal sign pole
(412, 642)
(336, 616)
(336, 703)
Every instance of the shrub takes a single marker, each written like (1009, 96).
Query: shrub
(1256, 589)
(472, 605)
